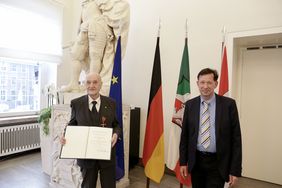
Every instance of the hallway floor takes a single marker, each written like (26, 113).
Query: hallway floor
(24, 171)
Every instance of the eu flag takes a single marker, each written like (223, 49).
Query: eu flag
(115, 93)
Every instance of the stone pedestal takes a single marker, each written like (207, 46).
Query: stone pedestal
(65, 172)
(46, 150)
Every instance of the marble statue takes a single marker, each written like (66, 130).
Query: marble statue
(102, 21)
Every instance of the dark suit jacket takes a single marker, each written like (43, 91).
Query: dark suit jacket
(81, 115)
(228, 136)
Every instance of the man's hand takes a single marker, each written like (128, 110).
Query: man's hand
(114, 139)
(183, 171)
(232, 180)
(63, 140)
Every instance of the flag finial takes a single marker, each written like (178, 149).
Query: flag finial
(120, 27)
(186, 28)
(223, 31)
(159, 29)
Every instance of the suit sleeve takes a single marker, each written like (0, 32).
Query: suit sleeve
(73, 116)
(236, 144)
(115, 123)
(183, 146)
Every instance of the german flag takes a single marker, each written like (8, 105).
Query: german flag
(153, 151)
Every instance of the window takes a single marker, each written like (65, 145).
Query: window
(13, 68)
(13, 80)
(2, 80)
(3, 95)
(30, 44)
(3, 68)
(23, 68)
(21, 93)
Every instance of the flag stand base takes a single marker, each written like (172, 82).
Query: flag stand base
(148, 183)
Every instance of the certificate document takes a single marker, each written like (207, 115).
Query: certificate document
(83, 142)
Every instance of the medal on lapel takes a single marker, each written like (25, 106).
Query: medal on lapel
(103, 123)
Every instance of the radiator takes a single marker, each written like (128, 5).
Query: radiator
(18, 138)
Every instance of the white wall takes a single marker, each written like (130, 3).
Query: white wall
(205, 22)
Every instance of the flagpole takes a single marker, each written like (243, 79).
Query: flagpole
(223, 31)
(148, 183)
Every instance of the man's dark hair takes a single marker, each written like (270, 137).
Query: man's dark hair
(208, 71)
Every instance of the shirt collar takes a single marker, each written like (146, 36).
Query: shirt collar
(90, 100)
(211, 100)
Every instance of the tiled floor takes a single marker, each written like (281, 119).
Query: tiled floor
(24, 171)
(138, 180)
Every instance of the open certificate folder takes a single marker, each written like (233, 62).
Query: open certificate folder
(84, 142)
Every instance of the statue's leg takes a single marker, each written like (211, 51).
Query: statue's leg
(79, 52)
(85, 68)
(97, 43)
(108, 59)
(73, 85)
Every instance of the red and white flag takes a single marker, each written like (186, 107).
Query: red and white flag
(223, 83)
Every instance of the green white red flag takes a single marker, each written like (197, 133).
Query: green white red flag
(182, 95)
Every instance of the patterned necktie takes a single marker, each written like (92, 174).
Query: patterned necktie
(205, 126)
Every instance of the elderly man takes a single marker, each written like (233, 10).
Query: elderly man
(94, 109)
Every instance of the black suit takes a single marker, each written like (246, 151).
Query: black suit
(228, 136)
(81, 115)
